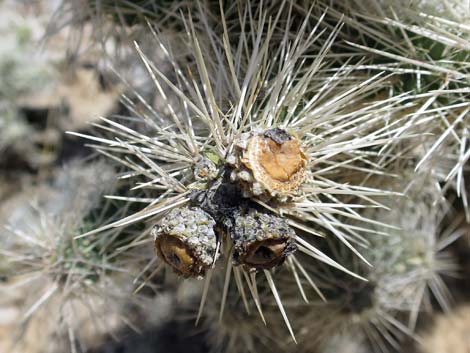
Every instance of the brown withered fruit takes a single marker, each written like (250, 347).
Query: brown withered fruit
(185, 239)
(270, 164)
(261, 240)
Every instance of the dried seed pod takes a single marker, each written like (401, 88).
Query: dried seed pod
(271, 163)
(261, 240)
(185, 240)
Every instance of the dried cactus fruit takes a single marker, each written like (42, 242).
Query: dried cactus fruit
(185, 240)
(261, 240)
(271, 163)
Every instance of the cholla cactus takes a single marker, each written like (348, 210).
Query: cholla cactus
(417, 254)
(263, 167)
(427, 45)
(408, 265)
(63, 276)
(274, 123)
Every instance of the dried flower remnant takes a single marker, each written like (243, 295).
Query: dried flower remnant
(261, 240)
(185, 240)
(270, 164)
